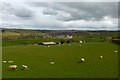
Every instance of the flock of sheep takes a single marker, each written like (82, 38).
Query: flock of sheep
(25, 67)
(83, 59)
(14, 67)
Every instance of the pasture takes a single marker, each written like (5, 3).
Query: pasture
(66, 58)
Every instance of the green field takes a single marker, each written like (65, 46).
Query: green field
(66, 58)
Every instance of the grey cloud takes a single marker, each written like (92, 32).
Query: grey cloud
(19, 11)
(23, 13)
(119, 9)
(90, 10)
(49, 12)
(83, 10)
(63, 15)
(37, 4)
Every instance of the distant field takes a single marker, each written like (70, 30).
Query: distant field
(66, 59)
(27, 41)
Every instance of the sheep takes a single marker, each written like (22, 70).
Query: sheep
(80, 41)
(24, 67)
(115, 51)
(52, 62)
(4, 61)
(35, 44)
(13, 67)
(82, 60)
(101, 57)
(10, 61)
(48, 46)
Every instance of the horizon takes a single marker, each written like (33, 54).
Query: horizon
(52, 30)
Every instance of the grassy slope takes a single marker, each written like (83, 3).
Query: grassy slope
(0, 56)
(13, 34)
(66, 57)
(7, 34)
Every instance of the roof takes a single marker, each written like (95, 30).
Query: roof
(48, 43)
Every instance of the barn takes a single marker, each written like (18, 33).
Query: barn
(47, 43)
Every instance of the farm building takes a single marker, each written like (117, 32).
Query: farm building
(47, 43)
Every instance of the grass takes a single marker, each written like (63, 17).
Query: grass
(27, 41)
(66, 58)
(10, 34)
(0, 56)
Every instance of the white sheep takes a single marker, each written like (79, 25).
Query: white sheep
(10, 61)
(80, 41)
(82, 59)
(115, 51)
(13, 67)
(24, 67)
(52, 62)
(4, 61)
(101, 57)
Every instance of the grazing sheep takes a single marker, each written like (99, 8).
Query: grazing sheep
(10, 61)
(52, 62)
(115, 51)
(35, 44)
(82, 60)
(13, 67)
(24, 67)
(80, 41)
(4, 61)
(101, 57)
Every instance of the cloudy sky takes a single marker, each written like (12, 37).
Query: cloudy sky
(60, 15)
